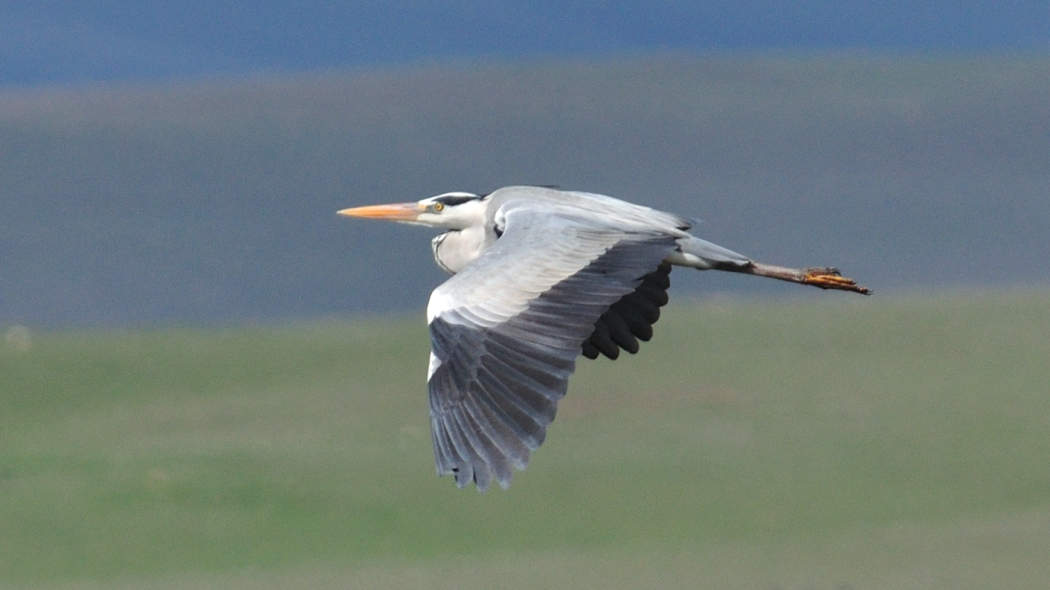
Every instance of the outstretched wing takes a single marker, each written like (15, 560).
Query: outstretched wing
(506, 332)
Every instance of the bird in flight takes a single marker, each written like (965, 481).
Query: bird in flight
(541, 276)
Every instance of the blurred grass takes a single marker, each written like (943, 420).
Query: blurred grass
(831, 441)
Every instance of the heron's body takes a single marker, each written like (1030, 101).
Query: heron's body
(540, 277)
(481, 221)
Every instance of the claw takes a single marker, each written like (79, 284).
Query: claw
(829, 278)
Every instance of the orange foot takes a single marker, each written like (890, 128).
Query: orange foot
(830, 278)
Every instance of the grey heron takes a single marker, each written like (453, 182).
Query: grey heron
(541, 276)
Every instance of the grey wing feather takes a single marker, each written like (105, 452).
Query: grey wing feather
(506, 332)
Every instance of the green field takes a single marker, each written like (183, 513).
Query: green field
(825, 443)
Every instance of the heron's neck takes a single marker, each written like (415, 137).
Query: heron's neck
(453, 250)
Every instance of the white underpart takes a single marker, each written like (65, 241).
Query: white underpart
(683, 259)
(454, 250)
(435, 362)
(703, 255)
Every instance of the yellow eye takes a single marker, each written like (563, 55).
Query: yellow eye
(438, 207)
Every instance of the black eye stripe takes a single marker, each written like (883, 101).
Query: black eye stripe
(453, 200)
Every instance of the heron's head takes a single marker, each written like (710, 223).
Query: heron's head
(454, 211)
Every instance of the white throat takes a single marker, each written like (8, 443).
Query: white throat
(454, 250)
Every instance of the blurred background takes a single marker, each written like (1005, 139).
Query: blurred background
(208, 379)
(182, 163)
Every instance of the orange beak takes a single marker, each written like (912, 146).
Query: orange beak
(394, 212)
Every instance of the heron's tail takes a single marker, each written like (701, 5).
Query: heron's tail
(703, 255)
